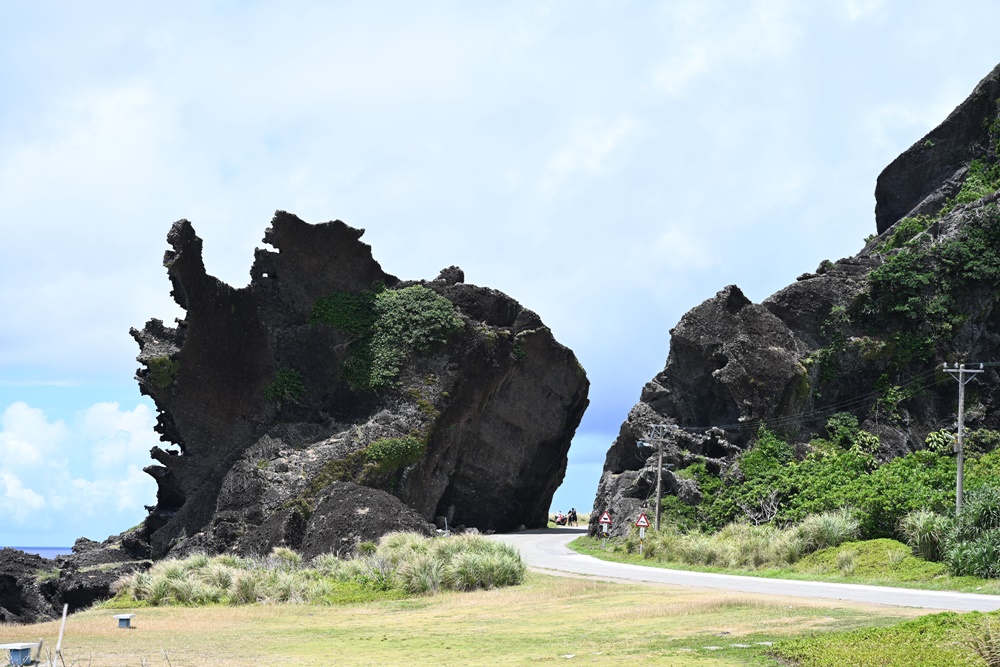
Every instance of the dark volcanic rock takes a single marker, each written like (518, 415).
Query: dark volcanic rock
(496, 406)
(349, 514)
(34, 589)
(930, 171)
(21, 599)
(826, 343)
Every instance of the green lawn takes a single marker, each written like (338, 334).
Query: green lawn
(541, 621)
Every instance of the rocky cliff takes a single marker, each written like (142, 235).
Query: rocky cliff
(324, 404)
(862, 335)
(328, 402)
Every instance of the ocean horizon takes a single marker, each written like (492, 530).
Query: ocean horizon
(46, 552)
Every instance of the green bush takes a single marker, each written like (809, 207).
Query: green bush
(914, 298)
(391, 454)
(871, 559)
(972, 547)
(767, 453)
(982, 179)
(904, 231)
(829, 529)
(286, 386)
(163, 371)
(827, 479)
(843, 429)
(925, 532)
(387, 326)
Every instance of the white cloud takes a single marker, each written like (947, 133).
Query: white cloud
(588, 151)
(862, 9)
(71, 477)
(17, 502)
(709, 38)
(27, 439)
(118, 436)
(679, 249)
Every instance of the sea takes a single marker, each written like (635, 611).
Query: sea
(47, 552)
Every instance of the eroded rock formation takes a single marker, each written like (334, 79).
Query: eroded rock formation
(275, 397)
(842, 339)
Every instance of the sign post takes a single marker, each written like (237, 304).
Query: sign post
(642, 524)
(605, 522)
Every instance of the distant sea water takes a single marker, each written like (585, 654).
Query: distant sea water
(47, 552)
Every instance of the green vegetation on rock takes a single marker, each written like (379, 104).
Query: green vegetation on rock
(286, 386)
(915, 299)
(387, 326)
(162, 371)
(374, 466)
(391, 454)
(904, 231)
(983, 179)
(769, 485)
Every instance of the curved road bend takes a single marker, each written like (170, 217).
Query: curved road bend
(546, 550)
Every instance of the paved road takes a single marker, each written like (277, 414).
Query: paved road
(547, 550)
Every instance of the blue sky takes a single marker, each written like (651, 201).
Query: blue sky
(610, 164)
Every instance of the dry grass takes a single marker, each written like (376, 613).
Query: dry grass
(548, 617)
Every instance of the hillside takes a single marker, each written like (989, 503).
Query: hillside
(863, 337)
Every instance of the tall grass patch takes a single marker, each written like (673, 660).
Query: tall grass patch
(400, 564)
(742, 545)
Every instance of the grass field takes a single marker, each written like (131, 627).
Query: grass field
(543, 621)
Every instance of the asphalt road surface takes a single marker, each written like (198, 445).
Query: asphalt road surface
(547, 550)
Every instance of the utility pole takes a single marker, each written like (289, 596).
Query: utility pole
(959, 372)
(657, 433)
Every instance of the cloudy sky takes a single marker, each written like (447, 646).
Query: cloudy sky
(610, 164)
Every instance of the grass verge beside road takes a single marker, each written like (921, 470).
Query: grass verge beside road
(874, 562)
(543, 620)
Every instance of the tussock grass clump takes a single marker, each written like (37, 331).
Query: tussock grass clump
(925, 532)
(829, 529)
(746, 546)
(401, 563)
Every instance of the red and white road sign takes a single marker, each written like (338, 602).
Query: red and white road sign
(643, 521)
(605, 518)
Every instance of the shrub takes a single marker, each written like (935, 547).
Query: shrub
(979, 557)
(387, 327)
(925, 532)
(284, 558)
(985, 641)
(940, 442)
(286, 386)
(220, 576)
(973, 545)
(391, 454)
(829, 529)
(163, 371)
(768, 452)
(843, 429)
(328, 565)
(904, 231)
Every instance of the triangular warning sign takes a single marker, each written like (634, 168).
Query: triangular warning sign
(643, 521)
(605, 518)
